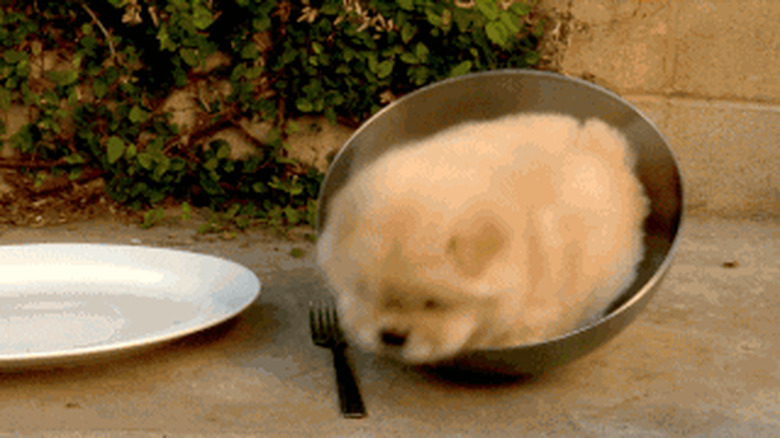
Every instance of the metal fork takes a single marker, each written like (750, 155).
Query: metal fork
(325, 332)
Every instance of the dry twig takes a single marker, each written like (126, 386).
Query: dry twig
(102, 29)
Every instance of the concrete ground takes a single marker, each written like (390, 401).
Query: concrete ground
(701, 360)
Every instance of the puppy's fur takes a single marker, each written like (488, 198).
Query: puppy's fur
(493, 233)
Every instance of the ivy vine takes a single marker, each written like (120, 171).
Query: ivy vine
(93, 77)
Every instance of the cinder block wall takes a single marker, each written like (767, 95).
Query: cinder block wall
(706, 72)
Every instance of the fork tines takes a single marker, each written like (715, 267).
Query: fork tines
(325, 332)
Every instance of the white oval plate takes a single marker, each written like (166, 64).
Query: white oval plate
(63, 303)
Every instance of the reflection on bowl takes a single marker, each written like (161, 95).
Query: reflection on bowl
(489, 95)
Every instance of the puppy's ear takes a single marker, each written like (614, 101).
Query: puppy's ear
(605, 141)
(475, 244)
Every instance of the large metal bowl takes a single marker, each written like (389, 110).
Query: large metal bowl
(493, 94)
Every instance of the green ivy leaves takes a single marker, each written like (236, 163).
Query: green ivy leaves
(185, 34)
(497, 32)
(15, 56)
(384, 68)
(461, 69)
(5, 99)
(137, 115)
(101, 108)
(201, 15)
(488, 8)
(501, 24)
(115, 148)
(342, 53)
(304, 105)
(406, 5)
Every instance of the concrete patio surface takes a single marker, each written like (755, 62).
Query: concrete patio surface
(701, 360)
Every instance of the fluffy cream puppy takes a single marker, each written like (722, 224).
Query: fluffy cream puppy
(487, 234)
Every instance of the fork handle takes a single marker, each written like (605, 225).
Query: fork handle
(349, 395)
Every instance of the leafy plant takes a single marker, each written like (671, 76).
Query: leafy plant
(348, 61)
(94, 76)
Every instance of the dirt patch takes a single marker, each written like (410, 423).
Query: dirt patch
(75, 204)
(53, 205)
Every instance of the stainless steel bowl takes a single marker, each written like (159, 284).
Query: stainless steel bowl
(493, 94)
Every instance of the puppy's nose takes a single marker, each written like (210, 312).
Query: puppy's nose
(393, 339)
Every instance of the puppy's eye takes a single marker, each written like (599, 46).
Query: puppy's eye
(433, 305)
